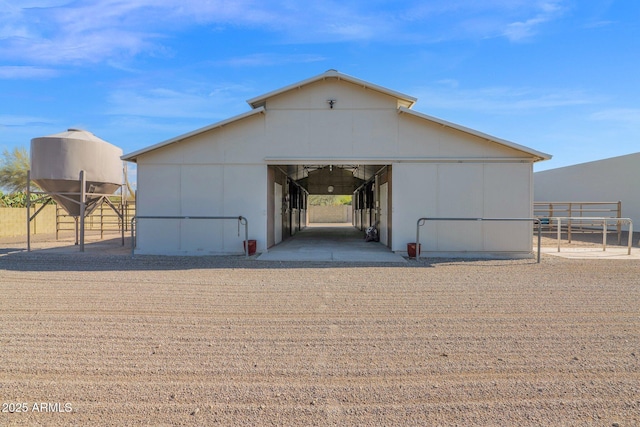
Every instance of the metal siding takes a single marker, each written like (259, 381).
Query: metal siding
(375, 133)
(608, 180)
(460, 193)
(462, 190)
(245, 194)
(158, 193)
(414, 195)
(421, 138)
(202, 189)
(158, 189)
(348, 96)
(280, 126)
(507, 193)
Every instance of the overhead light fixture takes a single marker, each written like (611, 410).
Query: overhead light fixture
(330, 189)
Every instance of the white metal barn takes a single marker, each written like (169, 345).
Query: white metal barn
(334, 133)
(608, 180)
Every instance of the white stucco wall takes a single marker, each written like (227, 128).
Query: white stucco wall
(609, 180)
(192, 179)
(200, 190)
(455, 190)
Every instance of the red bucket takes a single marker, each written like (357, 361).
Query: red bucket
(252, 246)
(411, 249)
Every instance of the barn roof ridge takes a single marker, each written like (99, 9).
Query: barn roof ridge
(332, 74)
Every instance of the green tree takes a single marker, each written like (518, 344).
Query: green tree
(16, 200)
(13, 169)
(329, 200)
(345, 200)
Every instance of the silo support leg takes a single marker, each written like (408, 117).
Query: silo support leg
(83, 198)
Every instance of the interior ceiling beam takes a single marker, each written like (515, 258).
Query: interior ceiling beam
(326, 161)
(344, 178)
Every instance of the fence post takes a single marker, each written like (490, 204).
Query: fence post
(619, 223)
(559, 231)
(569, 223)
(101, 220)
(133, 236)
(630, 238)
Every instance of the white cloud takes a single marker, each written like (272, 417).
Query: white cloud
(8, 120)
(600, 24)
(624, 115)
(28, 4)
(521, 30)
(458, 19)
(104, 30)
(452, 83)
(267, 59)
(499, 99)
(55, 32)
(210, 104)
(157, 103)
(26, 72)
(546, 11)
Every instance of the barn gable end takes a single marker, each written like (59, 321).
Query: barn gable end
(333, 120)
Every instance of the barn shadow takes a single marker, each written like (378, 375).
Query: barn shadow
(110, 255)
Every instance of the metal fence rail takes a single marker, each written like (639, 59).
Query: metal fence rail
(604, 221)
(581, 209)
(577, 208)
(421, 222)
(241, 221)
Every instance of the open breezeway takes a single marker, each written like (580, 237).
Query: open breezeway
(330, 242)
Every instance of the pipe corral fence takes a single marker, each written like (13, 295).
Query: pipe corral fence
(422, 221)
(604, 221)
(581, 212)
(241, 221)
(102, 219)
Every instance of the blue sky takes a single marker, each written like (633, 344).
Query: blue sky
(559, 76)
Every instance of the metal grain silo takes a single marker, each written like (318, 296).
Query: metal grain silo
(56, 162)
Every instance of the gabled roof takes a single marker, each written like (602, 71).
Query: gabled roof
(538, 154)
(406, 100)
(132, 157)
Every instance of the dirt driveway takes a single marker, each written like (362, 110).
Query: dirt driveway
(110, 340)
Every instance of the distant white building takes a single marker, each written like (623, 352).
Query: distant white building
(334, 134)
(609, 180)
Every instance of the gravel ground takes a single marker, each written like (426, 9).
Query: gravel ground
(103, 339)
